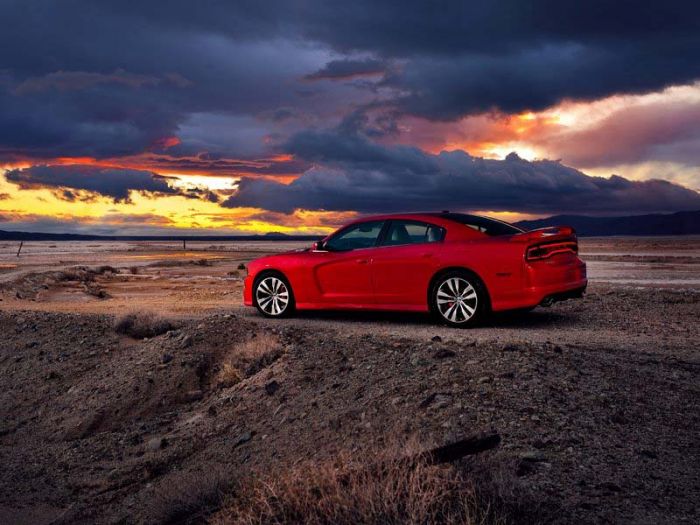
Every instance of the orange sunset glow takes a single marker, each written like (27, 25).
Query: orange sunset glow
(167, 141)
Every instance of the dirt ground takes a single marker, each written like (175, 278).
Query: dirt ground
(596, 400)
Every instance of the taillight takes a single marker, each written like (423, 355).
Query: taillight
(543, 251)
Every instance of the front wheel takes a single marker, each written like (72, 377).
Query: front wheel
(273, 296)
(459, 299)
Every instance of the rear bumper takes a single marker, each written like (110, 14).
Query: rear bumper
(548, 281)
(556, 280)
(549, 294)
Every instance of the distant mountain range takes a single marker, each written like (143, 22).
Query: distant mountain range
(681, 223)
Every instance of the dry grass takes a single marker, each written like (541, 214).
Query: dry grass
(173, 263)
(228, 376)
(379, 491)
(248, 358)
(106, 269)
(95, 290)
(81, 274)
(189, 497)
(140, 325)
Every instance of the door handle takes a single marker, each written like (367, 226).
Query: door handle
(361, 261)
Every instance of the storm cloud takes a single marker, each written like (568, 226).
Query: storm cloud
(73, 85)
(353, 173)
(345, 69)
(245, 89)
(116, 184)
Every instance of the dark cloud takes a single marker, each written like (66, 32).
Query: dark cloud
(346, 69)
(116, 78)
(353, 173)
(230, 167)
(464, 57)
(104, 121)
(82, 182)
(74, 85)
(447, 88)
(407, 27)
(79, 80)
(201, 194)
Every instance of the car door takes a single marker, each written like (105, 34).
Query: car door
(342, 267)
(405, 261)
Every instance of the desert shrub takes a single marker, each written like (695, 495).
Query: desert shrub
(105, 269)
(77, 273)
(376, 490)
(248, 358)
(228, 376)
(172, 263)
(140, 325)
(258, 353)
(189, 497)
(134, 270)
(168, 263)
(241, 266)
(95, 290)
(233, 273)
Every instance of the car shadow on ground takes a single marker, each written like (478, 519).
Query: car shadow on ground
(538, 318)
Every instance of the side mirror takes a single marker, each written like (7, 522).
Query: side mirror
(318, 246)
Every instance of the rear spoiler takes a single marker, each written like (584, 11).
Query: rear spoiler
(548, 234)
(547, 242)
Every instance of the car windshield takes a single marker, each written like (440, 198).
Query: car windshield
(485, 225)
(357, 236)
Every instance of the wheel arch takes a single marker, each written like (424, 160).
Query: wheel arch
(265, 272)
(443, 271)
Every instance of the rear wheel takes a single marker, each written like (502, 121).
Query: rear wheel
(273, 295)
(458, 299)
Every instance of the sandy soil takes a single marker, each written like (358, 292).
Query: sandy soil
(206, 278)
(596, 400)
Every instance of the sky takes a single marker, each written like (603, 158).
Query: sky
(234, 117)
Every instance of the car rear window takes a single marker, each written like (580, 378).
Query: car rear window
(485, 225)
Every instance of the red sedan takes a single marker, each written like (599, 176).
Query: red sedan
(458, 267)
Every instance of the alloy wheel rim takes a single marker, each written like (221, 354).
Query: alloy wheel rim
(457, 300)
(272, 296)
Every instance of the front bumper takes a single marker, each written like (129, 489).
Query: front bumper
(248, 291)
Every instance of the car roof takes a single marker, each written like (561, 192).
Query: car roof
(453, 222)
(438, 219)
(418, 216)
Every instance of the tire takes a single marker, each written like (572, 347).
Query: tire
(270, 291)
(459, 299)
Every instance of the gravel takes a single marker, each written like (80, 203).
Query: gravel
(596, 402)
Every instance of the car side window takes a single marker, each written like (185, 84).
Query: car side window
(412, 232)
(362, 235)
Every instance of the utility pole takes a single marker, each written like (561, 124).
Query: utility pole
(20, 247)
(184, 244)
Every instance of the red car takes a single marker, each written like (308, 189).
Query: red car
(458, 267)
